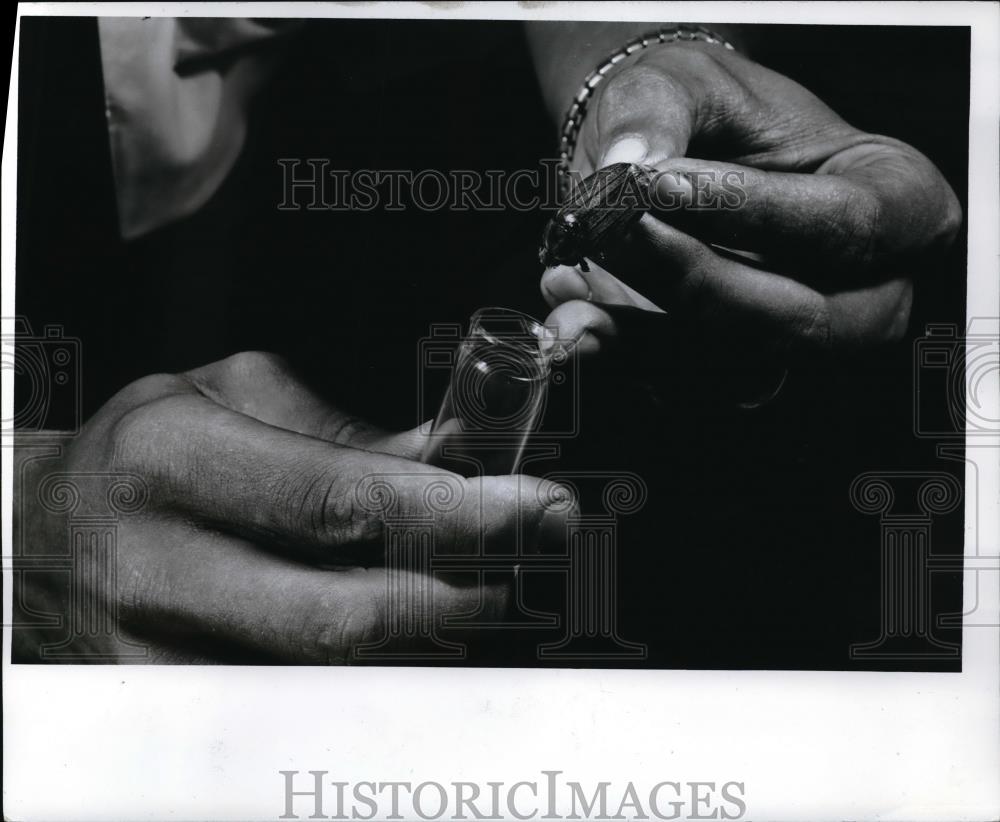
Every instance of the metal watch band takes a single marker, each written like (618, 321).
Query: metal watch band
(578, 108)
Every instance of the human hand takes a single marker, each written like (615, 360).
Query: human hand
(834, 218)
(251, 481)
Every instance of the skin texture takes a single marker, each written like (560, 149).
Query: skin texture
(252, 480)
(253, 483)
(832, 217)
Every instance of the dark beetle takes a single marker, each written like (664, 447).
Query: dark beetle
(598, 211)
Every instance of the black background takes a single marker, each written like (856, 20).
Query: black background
(749, 553)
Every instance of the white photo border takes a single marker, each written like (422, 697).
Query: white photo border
(200, 742)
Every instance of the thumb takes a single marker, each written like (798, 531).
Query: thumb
(643, 116)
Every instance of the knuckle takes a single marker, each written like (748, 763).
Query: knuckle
(938, 199)
(498, 512)
(951, 219)
(693, 285)
(148, 389)
(459, 532)
(255, 364)
(854, 229)
(631, 83)
(139, 439)
(340, 429)
(689, 59)
(690, 67)
(811, 329)
(698, 60)
(330, 508)
(135, 411)
(129, 436)
(335, 631)
(638, 75)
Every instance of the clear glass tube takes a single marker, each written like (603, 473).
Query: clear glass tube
(496, 397)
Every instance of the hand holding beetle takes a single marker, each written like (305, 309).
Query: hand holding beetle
(830, 215)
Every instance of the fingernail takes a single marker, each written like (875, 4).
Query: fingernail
(672, 190)
(548, 336)
(565, 283)
(561, 348)
(630, 148)
(554, 346)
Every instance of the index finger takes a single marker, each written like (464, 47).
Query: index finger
(869, 204)
(246, 477)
